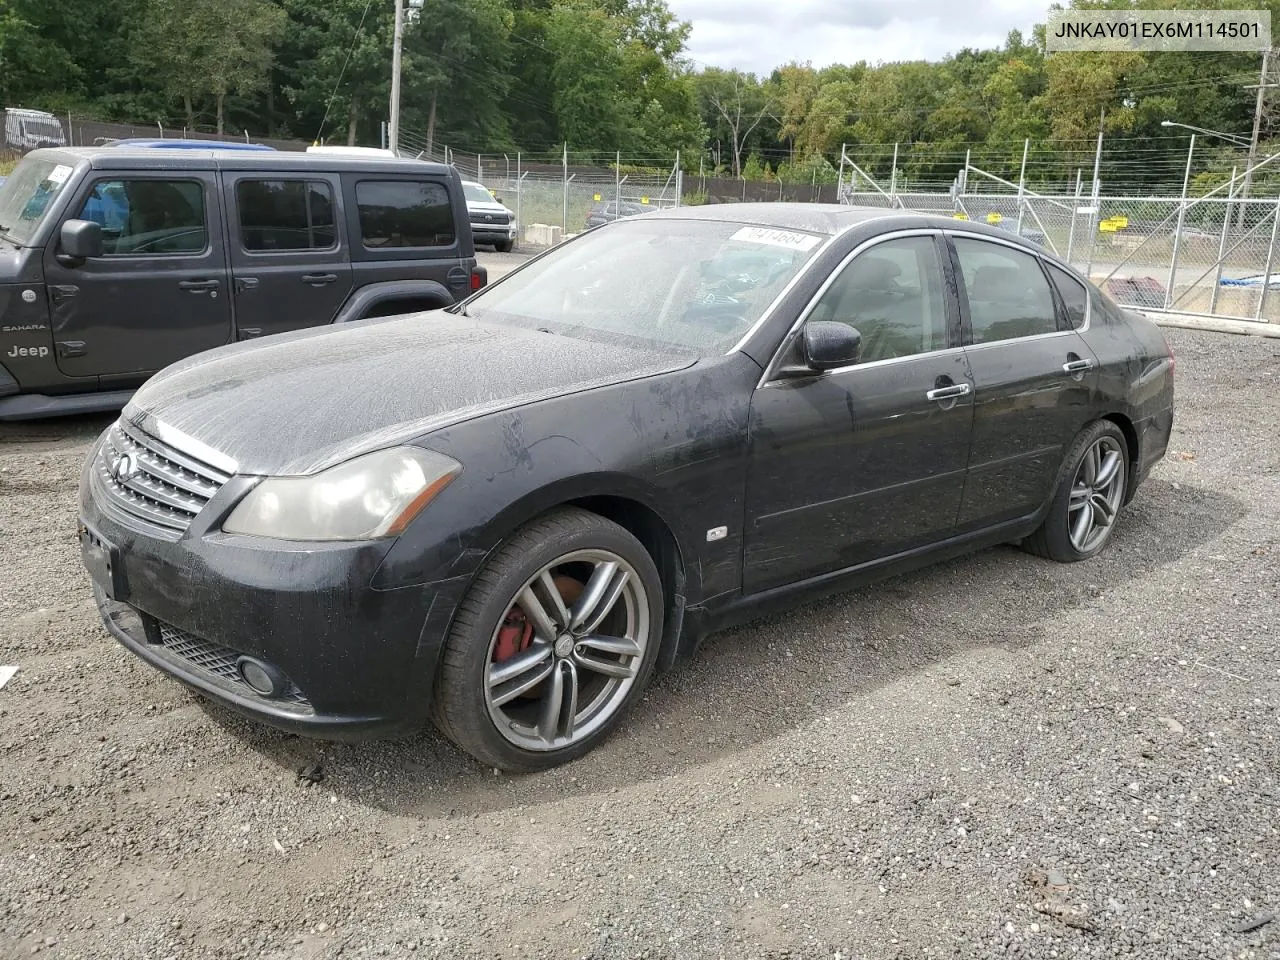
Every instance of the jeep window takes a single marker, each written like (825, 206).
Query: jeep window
(404, 213)
(27, 194)
(148, 217)
(285, 215)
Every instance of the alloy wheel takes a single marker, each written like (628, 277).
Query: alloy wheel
(564, 657)
(1096, 494)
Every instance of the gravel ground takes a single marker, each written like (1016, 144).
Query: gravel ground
(999, 756)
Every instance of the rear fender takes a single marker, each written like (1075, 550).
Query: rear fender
(379, 299)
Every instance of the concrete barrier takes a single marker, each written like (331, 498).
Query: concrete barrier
(542, 234)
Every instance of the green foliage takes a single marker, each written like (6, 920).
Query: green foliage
(499, 76)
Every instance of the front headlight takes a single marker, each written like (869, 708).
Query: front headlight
(373, 496)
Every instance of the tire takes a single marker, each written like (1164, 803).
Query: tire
(1058, 537)
(531, 716)
(504, 246)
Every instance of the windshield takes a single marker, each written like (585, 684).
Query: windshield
(27, 194)
(475, 194)
(694, 285)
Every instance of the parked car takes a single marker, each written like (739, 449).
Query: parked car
(492, 222)
(606, 211)
(1257, 280)
(505, 515)
(122, 261)
(31, 129)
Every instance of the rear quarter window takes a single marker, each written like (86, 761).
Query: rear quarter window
(1074, 295)
(404, 213)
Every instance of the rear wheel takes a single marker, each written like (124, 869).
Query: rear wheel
(553, 643)
(1091, 491)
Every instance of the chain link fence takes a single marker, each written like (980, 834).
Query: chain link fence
(1216, 253)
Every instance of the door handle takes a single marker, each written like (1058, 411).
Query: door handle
(62, 291)
(246, 283)
(198, 286)
(949, 393)
(248, 333)
(319, 279)
(1077, 366)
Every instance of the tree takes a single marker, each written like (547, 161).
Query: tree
(336, 61)
(736, 104)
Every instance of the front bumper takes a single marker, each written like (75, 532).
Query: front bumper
(488, 232)
(359, 661)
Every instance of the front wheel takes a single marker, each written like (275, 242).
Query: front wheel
(504, 246)
(1090, 492)
(554, 641)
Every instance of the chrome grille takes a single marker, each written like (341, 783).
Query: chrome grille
(168, 487)
(218, 661)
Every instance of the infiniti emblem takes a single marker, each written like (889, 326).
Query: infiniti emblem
(124, 468)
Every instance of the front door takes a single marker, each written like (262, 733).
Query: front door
(159, 291)
(1034, 379)
(865, 462)
(290, 264)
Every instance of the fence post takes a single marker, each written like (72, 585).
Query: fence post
(840, 175)
(519, 199)
(1177, 231)
(1022, 182)
(564, 213)
(1271, 253)
(1075, 212)
(893, 178)
(617, 183)
(1222, 244)
(679, 177)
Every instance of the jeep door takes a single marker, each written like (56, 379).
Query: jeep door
(290, 263)
(158, 293)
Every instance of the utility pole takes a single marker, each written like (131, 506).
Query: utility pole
(393, 137)
(1263, 86)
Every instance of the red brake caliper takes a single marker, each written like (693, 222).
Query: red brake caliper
(515, 634)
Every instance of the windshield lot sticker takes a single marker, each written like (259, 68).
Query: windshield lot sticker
(776, 238)
(59, 174)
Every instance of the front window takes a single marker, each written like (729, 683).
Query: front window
(696, 285)
(892, 294)
(477, 194)
(28, 193)
(141, 217)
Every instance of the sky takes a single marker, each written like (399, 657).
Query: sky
(758, 35)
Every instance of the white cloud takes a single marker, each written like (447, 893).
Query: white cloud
(759, 35)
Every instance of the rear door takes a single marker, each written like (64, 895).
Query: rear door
(290, 262)
(159, 291)
(408, 227)
(1034, 379)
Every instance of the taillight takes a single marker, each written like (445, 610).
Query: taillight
(477, 279)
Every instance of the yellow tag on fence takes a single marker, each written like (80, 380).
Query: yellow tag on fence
(959, 216)
(994, 218)
(644, 200)
(596, 197)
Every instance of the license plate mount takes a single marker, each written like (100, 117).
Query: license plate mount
(102, 560)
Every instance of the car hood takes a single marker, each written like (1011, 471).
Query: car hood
(300, 402)
(487, 208)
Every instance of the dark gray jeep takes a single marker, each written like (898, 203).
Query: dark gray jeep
(115, 263)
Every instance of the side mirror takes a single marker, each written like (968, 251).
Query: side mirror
(81, 239)
(828, 344)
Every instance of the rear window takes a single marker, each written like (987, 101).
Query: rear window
(1073, 294)
(285, 215)
(404, 213)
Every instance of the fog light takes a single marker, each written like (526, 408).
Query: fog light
(262, 678)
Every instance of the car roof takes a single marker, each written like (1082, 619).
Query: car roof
(142, 158)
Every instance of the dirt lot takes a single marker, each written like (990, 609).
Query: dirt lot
(996, 757)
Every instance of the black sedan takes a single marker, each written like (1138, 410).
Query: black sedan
(505, 515)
